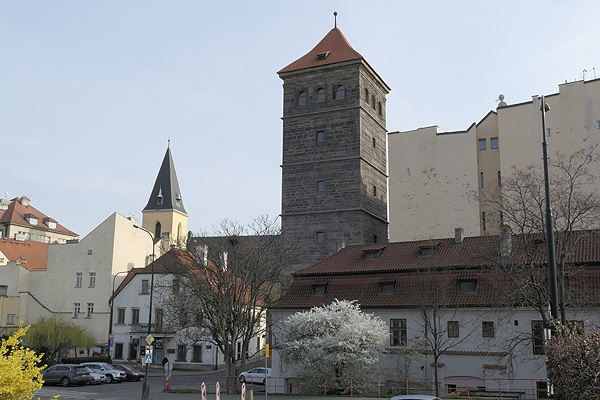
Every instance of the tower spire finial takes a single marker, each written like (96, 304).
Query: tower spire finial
(335, 20)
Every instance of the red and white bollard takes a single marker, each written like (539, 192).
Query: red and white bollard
(243, 391)
(218, 391)
(203, 391)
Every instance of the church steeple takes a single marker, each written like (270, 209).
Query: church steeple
(165, 215)
(166, 194)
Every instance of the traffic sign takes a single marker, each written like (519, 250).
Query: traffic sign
(110, 341)
(148, 358)
(149, 339)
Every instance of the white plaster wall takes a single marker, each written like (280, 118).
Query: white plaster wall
(522, 364)
(432, 180)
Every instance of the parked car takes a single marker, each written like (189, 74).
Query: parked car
(255, 375)
(66, 374)
(112, 374)
(415, 397)
(96, 378)
(132, 374)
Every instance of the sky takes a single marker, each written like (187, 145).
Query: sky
(92, 91)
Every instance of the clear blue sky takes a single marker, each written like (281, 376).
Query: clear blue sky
(90, 92)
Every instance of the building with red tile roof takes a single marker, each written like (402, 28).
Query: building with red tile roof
(18, 260)
(469, 288)
(186, 345)
(20, 220)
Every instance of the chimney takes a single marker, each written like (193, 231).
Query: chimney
(25, 201)
(459, 236)
(505, 241)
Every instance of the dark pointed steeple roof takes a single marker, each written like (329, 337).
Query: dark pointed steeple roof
(166, 194)
(333, 48)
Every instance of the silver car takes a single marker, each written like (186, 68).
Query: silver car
(96, 378)
(111, 373)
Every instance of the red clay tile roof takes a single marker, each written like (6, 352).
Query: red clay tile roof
(32, 256)
(348, 275)
(337, 47)
(16, 212)
(472, 252)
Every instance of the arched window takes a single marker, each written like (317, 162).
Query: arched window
(366, 95)
(157, 231)
(302, 99)
(373, 102)
(340, 93)
(321, 95)
(380, 110)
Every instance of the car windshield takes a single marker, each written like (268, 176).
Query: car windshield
(81, 368)
(126, 367)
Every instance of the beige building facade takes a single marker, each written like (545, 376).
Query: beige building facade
(78, 281)
(437, 178)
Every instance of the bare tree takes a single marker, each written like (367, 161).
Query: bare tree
(230, 280)
(443, 327)
(520, 204)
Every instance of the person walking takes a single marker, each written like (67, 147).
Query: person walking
(168, 367)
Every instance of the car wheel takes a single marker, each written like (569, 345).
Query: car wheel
(109, 378)
(65, 382)
(242, 379)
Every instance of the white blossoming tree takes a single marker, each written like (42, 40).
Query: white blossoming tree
(333, 341)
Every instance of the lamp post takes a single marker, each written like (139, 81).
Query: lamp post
(111, 303)
(146, 385)
(550, 248)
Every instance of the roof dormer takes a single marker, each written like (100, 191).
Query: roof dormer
(32, 219)
(50, 223)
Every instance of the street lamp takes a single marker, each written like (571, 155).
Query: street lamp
(146, 385)
(550, 248)
(111, 303)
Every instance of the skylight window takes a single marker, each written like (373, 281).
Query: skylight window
(320, 289)
(323, 56)
(372, 254)
(426, 251)
(387, 287)
(467, 286)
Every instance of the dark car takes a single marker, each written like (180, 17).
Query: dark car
(132, 374)
(66, 374)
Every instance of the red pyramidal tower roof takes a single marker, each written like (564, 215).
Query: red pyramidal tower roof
(333, 48)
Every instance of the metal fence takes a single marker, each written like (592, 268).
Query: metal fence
(377, 387)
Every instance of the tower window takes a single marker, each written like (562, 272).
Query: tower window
(159, 201)
(320, 137)
(320, 186)
(366, 95)
(374, 191)
(481, 183)
(483, 221)
(373, 101)
(374, 143)
(320, 237)
(380, 109)
(340, 93)
(157, 230)
(321, 95)
(302, 99)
